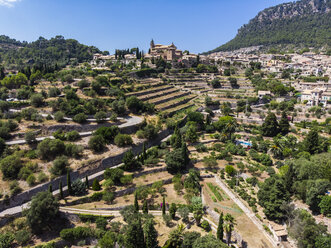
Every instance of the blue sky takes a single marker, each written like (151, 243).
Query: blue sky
(195, 25)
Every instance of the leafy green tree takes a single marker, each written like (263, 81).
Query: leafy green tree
(43, 212)
(208, 241)
(270, 127)
(10, 166)
(60, 165)
(79, 118)
(134, 237)
(150, 234)
(100, 116)
(97, 143)
(37, 100)
(325, 205)
(272, 195)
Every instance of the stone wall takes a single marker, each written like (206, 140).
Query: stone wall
(94, 173)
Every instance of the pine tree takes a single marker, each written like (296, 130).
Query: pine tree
(150, 234)
(69, 183)
(284, 125)
(86, 182)
(163, 206)
(134, 237)
(136, 204)
(61, 190)
(145, 207)
(220, 229)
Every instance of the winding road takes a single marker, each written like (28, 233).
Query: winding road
(129, 121)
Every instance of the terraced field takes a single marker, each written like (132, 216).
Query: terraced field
(167, 98)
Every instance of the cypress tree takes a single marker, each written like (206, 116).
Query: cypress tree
(61, 190)
(134, 237)
(284, 125)
(311, 142)
(144, 151)
(69, 183)
(220, 229)
(270, 127)
(185, 153)
(176, 138)
(163, 206)
(136, 204)
(150, 234)
(145, 207)
(96, 185)
(50, 188)
(86, 182)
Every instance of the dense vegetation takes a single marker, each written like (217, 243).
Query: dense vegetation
(45, 54)
(295, 23)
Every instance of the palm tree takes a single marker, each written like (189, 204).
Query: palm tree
(176, 236)
(229, 226)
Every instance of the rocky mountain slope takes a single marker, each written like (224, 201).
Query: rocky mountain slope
(305, 22)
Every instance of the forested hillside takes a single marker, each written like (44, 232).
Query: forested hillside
(306, 22)
(56, 52)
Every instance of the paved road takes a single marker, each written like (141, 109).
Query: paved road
(129, 121)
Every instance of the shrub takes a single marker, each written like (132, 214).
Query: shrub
(37, 100)
(30, 137)
(42, 177)
(108, 196)
(22, 237)
(205, 225)
(230, 170)
(97, 196)
(73, 150)
(6, 240)
(115, 174)
(127, 179)
(72, 136)
(79, 118)
(15, 188)
(77, 233)
(60, 166)
(59, 116)
(97, 143)
(100, 116)
(167, 219)
(78, 188)
(101, 223)
(96, 185)
(31, 180)
(123, 140)
(108, 133)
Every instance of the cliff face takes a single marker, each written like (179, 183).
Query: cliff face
(305, 22)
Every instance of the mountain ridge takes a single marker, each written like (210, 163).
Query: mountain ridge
(305, 22)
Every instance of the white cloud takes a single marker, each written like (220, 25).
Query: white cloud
(8, 3)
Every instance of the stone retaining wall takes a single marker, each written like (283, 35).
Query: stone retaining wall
(105, 163)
